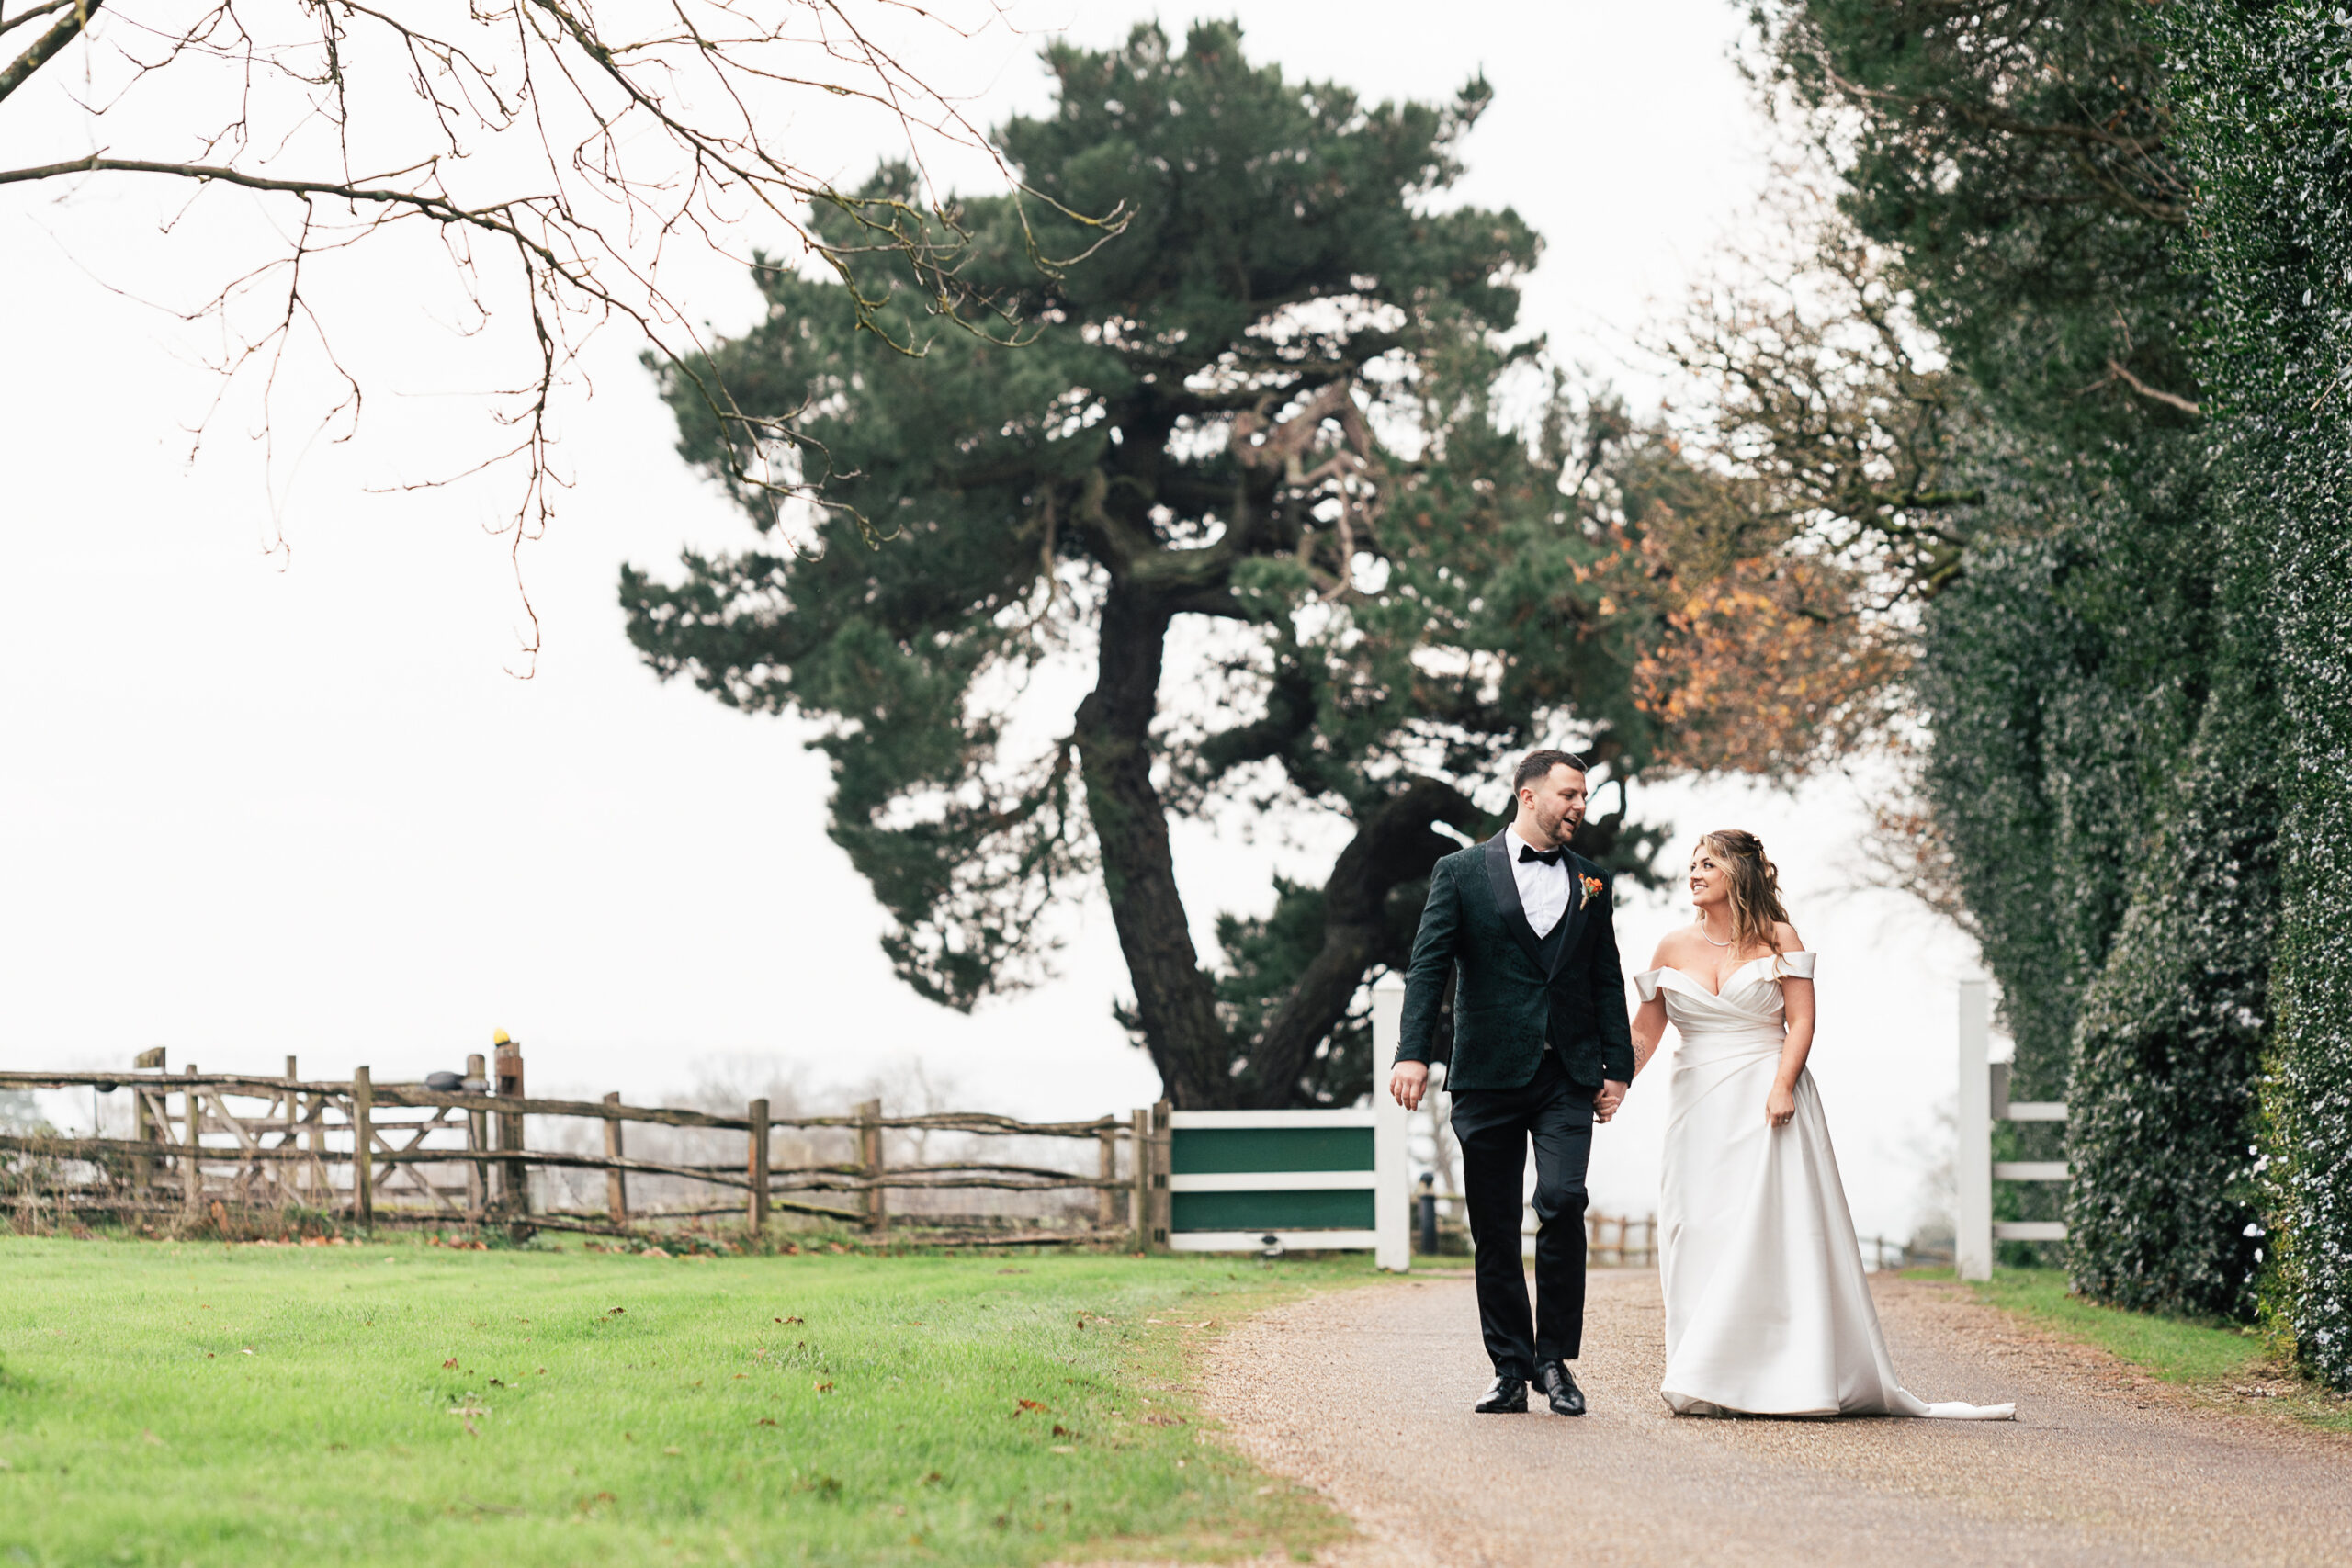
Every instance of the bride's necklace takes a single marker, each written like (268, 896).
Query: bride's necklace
(1711, 941)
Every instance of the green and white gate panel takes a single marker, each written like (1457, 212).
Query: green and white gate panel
(1313, 1180)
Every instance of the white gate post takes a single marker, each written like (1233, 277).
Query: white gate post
(1391, 1128)
(1973, 1165)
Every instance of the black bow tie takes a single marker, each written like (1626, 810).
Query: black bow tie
(1549, 857)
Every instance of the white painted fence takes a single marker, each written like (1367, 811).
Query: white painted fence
(1985, 1099)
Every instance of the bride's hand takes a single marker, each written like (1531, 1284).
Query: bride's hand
(1781, 1106)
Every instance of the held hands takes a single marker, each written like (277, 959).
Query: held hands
(1781, 1106)
(1410, 1081)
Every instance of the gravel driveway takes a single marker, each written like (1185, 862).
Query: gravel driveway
(1366, 1395)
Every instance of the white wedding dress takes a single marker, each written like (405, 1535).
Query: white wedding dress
(1766, 1309)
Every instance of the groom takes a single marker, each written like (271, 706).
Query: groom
(1542, 1051)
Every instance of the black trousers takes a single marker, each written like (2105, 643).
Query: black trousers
(1495, 1128)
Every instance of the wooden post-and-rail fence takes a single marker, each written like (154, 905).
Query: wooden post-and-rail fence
(373, 1151)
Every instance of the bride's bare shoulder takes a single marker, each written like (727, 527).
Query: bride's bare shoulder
(1674, 948)
(1786, 936)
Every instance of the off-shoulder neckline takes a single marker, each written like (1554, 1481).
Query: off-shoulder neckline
(1760, 958)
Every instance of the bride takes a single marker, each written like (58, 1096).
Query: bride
(1767, 1309)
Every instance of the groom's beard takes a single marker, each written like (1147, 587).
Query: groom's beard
(1560, 833)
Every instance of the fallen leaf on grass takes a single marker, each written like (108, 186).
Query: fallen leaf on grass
(1061, 1430)
(1064, 1449)
(451, 1365)
(1152, 1420)
(244, 1350)
(764, 1421)
(674, 1452)
(792, 1320)
(148, 1436)
(738, 1377)
(824, 1388)
(1029, 1405)
(934, 1478)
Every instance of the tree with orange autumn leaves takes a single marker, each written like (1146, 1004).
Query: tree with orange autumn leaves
(1776, 534)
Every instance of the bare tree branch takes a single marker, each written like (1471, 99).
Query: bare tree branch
(32, 14)
(2115, 372)
(46, 47)
(584, 146)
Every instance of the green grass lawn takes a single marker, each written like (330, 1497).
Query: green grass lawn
(168, 1404)
(2214, 1358)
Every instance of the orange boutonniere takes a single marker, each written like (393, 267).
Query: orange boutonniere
(1591, 889)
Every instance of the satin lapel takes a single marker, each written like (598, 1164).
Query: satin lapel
(1575, 916)
(1504, 885)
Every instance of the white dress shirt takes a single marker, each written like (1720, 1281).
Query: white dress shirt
(1542, 889)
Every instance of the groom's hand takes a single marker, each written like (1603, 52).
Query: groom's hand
(1409, 1083)
(1611, 1095)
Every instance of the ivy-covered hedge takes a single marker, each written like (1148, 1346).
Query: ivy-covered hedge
(2130, 229)
(2017, 164)
(2068, 678)
(2263, 100)
(2062, 677)
(2168, 1047)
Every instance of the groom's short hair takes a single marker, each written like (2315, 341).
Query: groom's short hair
(1536, 766)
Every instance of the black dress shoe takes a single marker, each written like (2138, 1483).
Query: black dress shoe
(1559, 1386)
(1509, 1396)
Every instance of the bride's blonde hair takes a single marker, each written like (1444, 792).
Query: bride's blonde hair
(1756, 911)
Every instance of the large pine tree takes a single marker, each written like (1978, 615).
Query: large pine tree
(1244, 461)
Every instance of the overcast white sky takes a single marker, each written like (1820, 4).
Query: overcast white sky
(255, 804)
